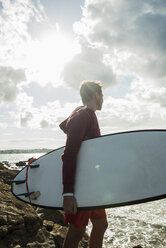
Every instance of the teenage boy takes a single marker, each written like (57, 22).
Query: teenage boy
(82, 124)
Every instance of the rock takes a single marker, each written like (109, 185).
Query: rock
(48, 225)
(59, 232)
(51, 215)
(6, 175)
(21, 163)
(25, 226)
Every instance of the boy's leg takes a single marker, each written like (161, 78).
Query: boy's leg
(74, 236)
(97, 233)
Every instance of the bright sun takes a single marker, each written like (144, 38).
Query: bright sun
(47, 57)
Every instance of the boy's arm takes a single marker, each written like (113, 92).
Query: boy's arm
(77, 128)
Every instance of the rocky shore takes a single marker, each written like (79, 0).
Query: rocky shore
(25, 226)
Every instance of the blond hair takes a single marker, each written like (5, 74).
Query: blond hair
(88, 88)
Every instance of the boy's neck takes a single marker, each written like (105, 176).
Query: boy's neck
(91, 106)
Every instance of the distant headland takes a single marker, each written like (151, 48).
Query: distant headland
(19, 151)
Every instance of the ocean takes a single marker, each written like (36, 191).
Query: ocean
(142, 224)
(11, 159)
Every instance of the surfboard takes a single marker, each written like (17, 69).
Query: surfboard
(112, 170)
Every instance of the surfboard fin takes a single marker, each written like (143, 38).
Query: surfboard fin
(17, 181)
(25, 194)
(32, 166)
(34, 194)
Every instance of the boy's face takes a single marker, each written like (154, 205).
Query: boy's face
(99, 100)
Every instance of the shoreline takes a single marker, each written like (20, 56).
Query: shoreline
(21, 151)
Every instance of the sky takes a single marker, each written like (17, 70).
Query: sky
(47, 48)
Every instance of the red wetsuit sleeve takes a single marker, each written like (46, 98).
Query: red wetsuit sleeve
(76, 132)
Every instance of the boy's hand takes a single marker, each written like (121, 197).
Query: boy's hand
(70, 204)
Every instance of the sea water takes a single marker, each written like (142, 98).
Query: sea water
(142, 224)
(10, 160)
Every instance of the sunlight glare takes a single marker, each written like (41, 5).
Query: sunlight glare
(47, 57)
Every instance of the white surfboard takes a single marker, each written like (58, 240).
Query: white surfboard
(112, 170)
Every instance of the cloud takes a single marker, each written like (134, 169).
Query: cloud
(135, 111)
(47, 116)
(132, 32)
(9, 80)
(24, 102)
(120, 40)
(15, 17)
(44, 124)
(155, 97)
(29, 40)
(16, 39)
(88, 65)
(129, 37)
(25, 119)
